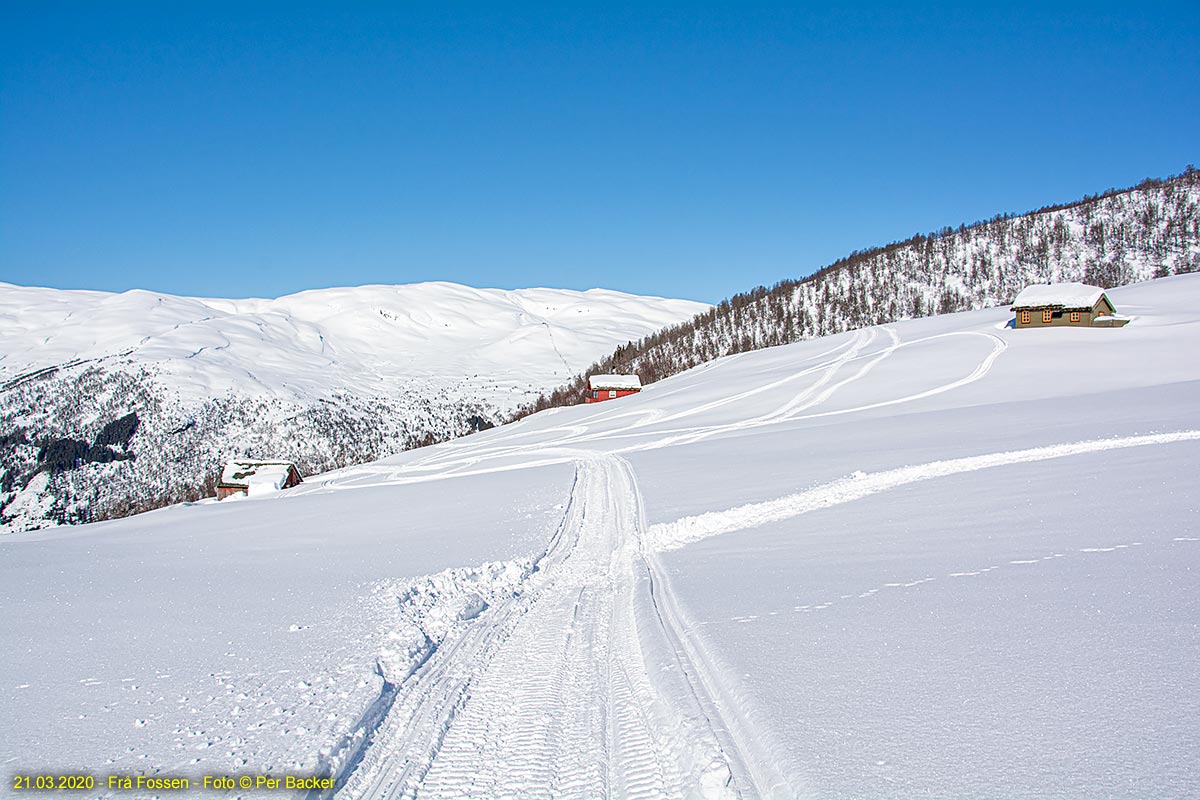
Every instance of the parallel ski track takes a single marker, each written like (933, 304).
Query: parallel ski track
(563, 444)
(581, 687)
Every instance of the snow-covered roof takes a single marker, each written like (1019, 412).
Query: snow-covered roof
(1067, 295)
(256, 473)
(614, 382)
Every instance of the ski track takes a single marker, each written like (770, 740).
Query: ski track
(562, 444)
(681, 532)
(575, 434)
(580, 686)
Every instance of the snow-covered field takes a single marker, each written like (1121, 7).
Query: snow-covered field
(939, 558)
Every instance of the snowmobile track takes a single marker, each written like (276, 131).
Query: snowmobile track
(576, 688)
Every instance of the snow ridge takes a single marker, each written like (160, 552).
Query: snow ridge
(429, 611)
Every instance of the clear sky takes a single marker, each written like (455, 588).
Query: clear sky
(253, 149)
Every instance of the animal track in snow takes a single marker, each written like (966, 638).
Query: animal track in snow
(892, 585)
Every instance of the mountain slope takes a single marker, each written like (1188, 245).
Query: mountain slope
(935, 558)
(1149, 231)
(326, 378)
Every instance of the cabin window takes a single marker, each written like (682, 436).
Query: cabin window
(1025, 317)
(1047, 315)
(612, 393)
(1074, 316)
(595, 394)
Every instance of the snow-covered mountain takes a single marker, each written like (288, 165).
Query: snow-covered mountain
(326, 378)
(935, 558)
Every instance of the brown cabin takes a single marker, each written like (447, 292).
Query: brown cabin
(1047, 305)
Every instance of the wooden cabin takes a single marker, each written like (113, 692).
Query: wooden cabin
(256, 477)
(610, 387)
(1048, 305)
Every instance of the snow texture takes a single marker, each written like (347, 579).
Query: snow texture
(1067, 295)
(623, 382)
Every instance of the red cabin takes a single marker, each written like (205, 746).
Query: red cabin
(610, 387)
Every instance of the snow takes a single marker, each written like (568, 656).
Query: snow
(684, 531)
(32, 502)
(257, 476)
(368, 339)
(930, 559)
(1067, 295)
(322, 378)
(227, 636)
(620, 382)
(930, 648)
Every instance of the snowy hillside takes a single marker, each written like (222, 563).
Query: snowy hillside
(936, 558)
(1149, 231)
(326, 378)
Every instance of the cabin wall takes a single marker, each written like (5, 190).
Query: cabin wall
(603, 394)
(1063, 319)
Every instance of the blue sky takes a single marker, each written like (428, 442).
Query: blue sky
(692, 150)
